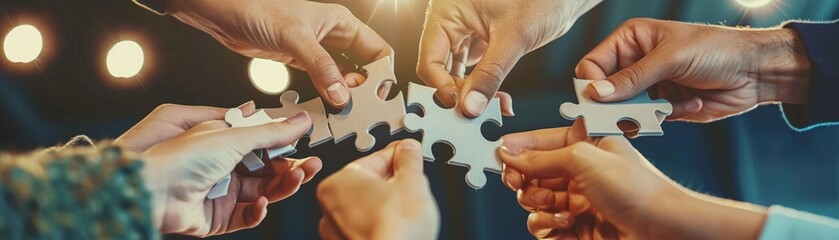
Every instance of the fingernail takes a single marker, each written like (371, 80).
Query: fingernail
(408, 145)
(245, 105)
(508, 179)
(561, 218)
(604, 88)
(541, 197)
(511, 151)
(299, 118)
(475, 102)
(510, 109)
(693, 106)
(337, 93)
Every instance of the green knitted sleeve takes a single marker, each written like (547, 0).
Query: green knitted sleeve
(74, 193)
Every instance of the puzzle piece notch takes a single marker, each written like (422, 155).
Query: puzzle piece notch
(366, 110)
(601, 118)
(319, 133)
(461, 133)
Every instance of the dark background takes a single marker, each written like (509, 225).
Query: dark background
(754, 157)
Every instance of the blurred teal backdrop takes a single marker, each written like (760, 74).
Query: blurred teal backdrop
(754, 157)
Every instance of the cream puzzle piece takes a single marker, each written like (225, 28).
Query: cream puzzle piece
(461, 133)
(319, 133)
(601, 119)
(366, 110)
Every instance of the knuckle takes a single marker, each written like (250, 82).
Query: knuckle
(166, 108)
(493, 72)
(579, 149)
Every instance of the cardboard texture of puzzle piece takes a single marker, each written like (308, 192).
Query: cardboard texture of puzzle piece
(601, 119)
(319, 133)
(366, 110)
(461, 133)
(236, 118)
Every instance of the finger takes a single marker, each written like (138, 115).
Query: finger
(534, 197)
(632, 80)
(506, 103)
(188, 116)
(328, 229)
(208, 125)
(378, 164)
(248, 215)
(482, 84)
(542, 223)
(435, 48)
(323, 70)
(361, 43)
(572, 160)
(545, 139)
(407, 160)
(476, 51)
(310, 167)
(512, 178)
(275, 134)
(685, 108)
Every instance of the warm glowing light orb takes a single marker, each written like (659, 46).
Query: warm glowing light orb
(125, 59)
(754, 3)
(23, 44)
(268, 76)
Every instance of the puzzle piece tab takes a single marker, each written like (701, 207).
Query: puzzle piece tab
(461, 133)
(366, 110)
(319, 133)
(601, 118)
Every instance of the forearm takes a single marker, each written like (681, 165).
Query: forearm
(703, 217)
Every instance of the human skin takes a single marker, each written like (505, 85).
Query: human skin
(577, 187)
(707, 72)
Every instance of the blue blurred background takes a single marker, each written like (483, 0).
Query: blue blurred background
(754, 157)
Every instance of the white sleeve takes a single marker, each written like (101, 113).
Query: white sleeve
(785, 223)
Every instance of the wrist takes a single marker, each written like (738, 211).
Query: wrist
(699, 216)
(156, 184)
(783, 73)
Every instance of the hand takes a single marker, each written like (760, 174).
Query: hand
(602, 188)
(707, 72)
(492, 33)
(299, 33)
(180, 172)
(382, 196)
(166, 122)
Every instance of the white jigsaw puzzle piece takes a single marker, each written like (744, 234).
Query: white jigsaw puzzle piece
(461, 133)
(601, 118)
(366, 110)
(319, 133)
(235, 118)
(220, 188)
(252, 161)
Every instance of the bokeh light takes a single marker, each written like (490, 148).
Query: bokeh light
(754, 3)
(125, 59)
(268, 76)
(23, 44)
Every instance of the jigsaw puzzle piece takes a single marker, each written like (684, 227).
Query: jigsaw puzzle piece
(220, 188)
(461, 133)
(319, 133)
(601, 118)
(366, 110)
(235, 118)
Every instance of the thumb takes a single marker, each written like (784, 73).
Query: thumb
(483, 83)
(323, 70)
(270, 135)
(407, 159)
(631, 81)
(572, 161)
